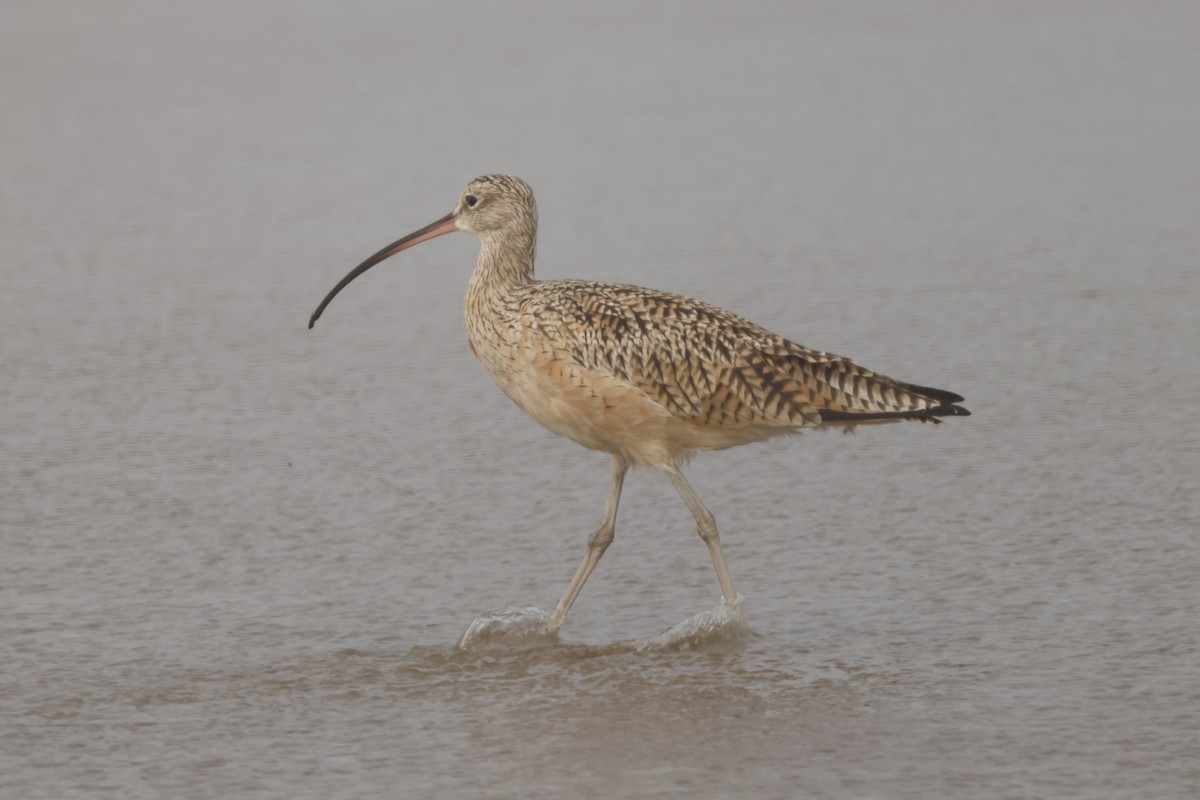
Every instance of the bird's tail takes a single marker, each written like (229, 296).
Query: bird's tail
(931, 403)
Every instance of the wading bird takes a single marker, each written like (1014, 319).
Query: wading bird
(646, 376)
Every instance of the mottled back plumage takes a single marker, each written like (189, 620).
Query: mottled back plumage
(700, 377)
(712, 367)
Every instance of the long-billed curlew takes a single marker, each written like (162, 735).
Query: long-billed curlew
(646, 376)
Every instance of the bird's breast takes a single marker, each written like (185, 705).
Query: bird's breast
(531, 363)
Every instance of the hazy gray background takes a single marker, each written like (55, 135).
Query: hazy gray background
(235, 554)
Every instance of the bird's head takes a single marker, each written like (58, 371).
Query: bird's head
(493, 203)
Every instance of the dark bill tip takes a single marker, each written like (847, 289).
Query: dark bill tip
(443, 226)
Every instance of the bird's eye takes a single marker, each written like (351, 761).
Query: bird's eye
(472, 200)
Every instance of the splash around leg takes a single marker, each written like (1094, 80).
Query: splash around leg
(523, 627)
(725, 624)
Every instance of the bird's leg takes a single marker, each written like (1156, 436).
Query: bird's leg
(598, 542)
(706, 526)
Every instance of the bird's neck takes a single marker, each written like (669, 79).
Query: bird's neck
(505, 265)
(505, 260)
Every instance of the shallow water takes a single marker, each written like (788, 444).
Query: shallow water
(237, 555)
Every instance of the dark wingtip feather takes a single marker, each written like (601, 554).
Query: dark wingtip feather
(941, 395)
(920, 415)
(945, 407)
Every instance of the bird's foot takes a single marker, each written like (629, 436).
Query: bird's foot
(524, 627)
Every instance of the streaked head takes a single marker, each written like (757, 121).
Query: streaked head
(494, 203)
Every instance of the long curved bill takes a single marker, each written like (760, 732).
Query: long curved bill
(443, 226)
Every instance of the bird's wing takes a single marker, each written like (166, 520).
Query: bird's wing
(707, 365)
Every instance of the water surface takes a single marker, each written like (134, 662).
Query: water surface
(237, 554)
